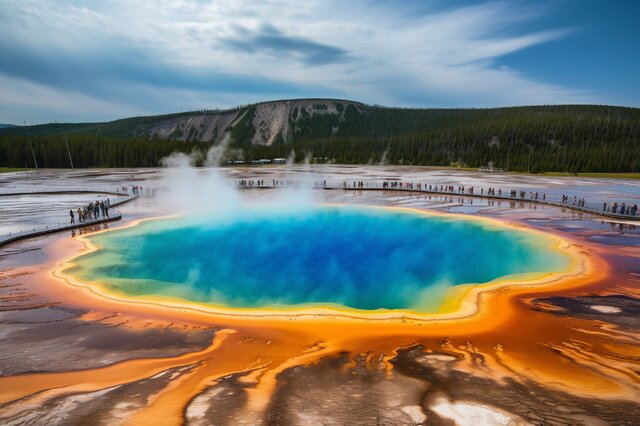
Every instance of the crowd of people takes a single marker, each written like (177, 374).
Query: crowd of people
(622, 208)
(452, 189)
(252, 182)
(135, 189)
(249, 183)
(578, 202)
(99, 209)
(92, 211)
(627, 209)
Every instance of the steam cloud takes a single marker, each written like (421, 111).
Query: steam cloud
(213, 191)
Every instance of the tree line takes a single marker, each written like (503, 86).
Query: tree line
(50, 151)
(570, 138)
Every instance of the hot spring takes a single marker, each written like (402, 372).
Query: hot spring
(343, 257)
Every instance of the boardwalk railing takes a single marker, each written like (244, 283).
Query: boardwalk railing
(588, 207)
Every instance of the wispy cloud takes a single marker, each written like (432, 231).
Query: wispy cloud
(274, 43)
(147, 57)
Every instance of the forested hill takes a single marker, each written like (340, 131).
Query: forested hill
(564, 138)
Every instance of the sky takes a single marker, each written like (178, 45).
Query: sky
(80, 60)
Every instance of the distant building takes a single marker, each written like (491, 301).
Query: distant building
(279, 161)
(490, 169)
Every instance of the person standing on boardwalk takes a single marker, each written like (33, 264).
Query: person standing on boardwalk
(73, 220)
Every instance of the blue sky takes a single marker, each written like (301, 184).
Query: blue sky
(99, 60)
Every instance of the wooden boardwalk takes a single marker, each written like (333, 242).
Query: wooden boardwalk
(569, 206)
(375, 186)
(49, 229)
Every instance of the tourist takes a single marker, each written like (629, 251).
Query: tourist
(72, 217)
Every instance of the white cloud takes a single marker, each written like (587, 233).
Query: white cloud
(383, 53)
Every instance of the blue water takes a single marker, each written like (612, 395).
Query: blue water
(363, 258)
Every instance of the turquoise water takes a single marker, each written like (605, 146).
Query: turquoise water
(363, 258)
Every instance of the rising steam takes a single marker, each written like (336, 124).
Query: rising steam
(214, 191)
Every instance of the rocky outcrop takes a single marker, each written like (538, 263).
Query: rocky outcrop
(271, 121)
